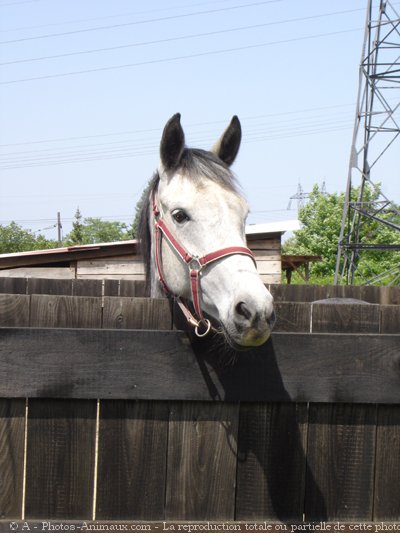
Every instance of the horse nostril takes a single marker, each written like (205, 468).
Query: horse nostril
(243, 310)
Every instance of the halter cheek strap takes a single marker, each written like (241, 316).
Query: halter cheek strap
(195, 265)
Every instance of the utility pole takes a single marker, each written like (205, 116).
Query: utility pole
(59, 229)
(376, 130)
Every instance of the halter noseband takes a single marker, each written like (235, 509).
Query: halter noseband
(194, 264)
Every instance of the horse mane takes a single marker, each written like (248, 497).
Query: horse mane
(196, 165)
(144, 229)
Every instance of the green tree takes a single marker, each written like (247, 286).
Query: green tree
(94, 230)
(76, 234)
(14, 238)
(321, 220)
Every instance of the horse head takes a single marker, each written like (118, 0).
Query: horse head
(197, 250)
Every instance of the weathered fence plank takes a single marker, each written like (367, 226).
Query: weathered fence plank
(87, 287)
(60, 459)
(49, 286)
(14, 310)
(202, 449)
(197, 460)
(13, 285)
(312, 293)
(91, 363)
(297, 293)
(145, 313)
(271, 461)
(390, 318)
(132, 460)
(340, 455)
(292, 316)
(345, 318)
(137, 313)
(48, 311)
(132, 288)
(12, 439)
(148, 364)
(389, 295)
(124, 287)
(387, 477)
(316, 368)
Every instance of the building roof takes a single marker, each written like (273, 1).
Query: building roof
(71, 253)
(114, 249)
(267, 228)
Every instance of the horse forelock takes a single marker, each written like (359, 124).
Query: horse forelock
(195, 165)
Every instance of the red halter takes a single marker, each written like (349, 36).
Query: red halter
(195, 265)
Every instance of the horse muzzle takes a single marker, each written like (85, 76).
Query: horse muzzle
(249, 327)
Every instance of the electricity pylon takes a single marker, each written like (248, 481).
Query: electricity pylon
(376, 131)
(300, 196)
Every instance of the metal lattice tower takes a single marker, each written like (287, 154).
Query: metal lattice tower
(376, 131)
(300, 196)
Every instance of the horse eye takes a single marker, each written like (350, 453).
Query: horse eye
(180, 216)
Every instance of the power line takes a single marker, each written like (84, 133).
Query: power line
(137, 22)
(129, 147)
(283, 125)
(177, 58)
(117, 218)
(256, 129)
(117, 154)
(10, 4)
(195, 124)
(105, 17)
(72, 196)
(183, 37)
(152, 149)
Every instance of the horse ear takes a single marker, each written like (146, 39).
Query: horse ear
(227, 147)
(172, 143)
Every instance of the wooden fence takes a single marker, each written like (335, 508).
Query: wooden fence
(113, 287)
(108, 412)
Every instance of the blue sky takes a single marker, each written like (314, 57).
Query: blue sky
(87, 86)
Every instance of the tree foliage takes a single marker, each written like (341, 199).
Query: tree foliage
(321, 220)
(76, 234)
(95, 230)
(14, 238)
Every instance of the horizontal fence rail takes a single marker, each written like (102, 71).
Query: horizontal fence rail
(67, 347)
(129, 420)
(44, 310)
(161, 365)
(112, 287)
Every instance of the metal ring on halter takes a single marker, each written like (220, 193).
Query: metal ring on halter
(195, 264)
(207, 323)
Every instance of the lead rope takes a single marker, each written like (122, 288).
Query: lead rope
(193, 322)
